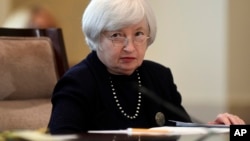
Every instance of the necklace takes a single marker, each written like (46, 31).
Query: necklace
(118, 103)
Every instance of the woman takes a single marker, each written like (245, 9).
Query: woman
(106, 90)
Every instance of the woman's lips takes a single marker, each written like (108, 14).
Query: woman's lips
(127, 59)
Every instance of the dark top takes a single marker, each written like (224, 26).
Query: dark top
(83, 99)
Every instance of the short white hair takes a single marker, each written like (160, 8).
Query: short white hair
(107, 15)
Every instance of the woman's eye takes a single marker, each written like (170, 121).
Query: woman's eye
(139, 33)
(115, 35)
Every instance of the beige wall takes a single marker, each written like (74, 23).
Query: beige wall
(4, 9)
(207, 45)
(192, 42)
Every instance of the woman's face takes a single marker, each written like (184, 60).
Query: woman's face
(122, 51)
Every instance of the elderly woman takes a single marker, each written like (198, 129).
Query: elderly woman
(106, 90)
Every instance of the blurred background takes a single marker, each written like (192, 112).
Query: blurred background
(66, 14)
(206, 43)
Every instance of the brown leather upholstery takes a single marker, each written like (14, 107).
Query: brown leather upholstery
(31, 62)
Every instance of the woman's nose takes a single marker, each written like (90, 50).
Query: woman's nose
(129, 45)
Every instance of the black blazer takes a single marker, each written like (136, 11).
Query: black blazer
(82, 99)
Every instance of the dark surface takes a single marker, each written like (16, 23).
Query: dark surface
(124, 137)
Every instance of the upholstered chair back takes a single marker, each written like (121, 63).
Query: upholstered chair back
(27, 68)
(31, 62)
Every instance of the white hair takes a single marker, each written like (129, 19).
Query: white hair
(107, 15)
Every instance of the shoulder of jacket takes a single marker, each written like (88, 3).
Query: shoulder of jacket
(154, 65)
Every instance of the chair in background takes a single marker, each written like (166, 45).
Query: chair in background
(31, 62)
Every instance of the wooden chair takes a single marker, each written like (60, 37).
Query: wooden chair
(31, 62)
